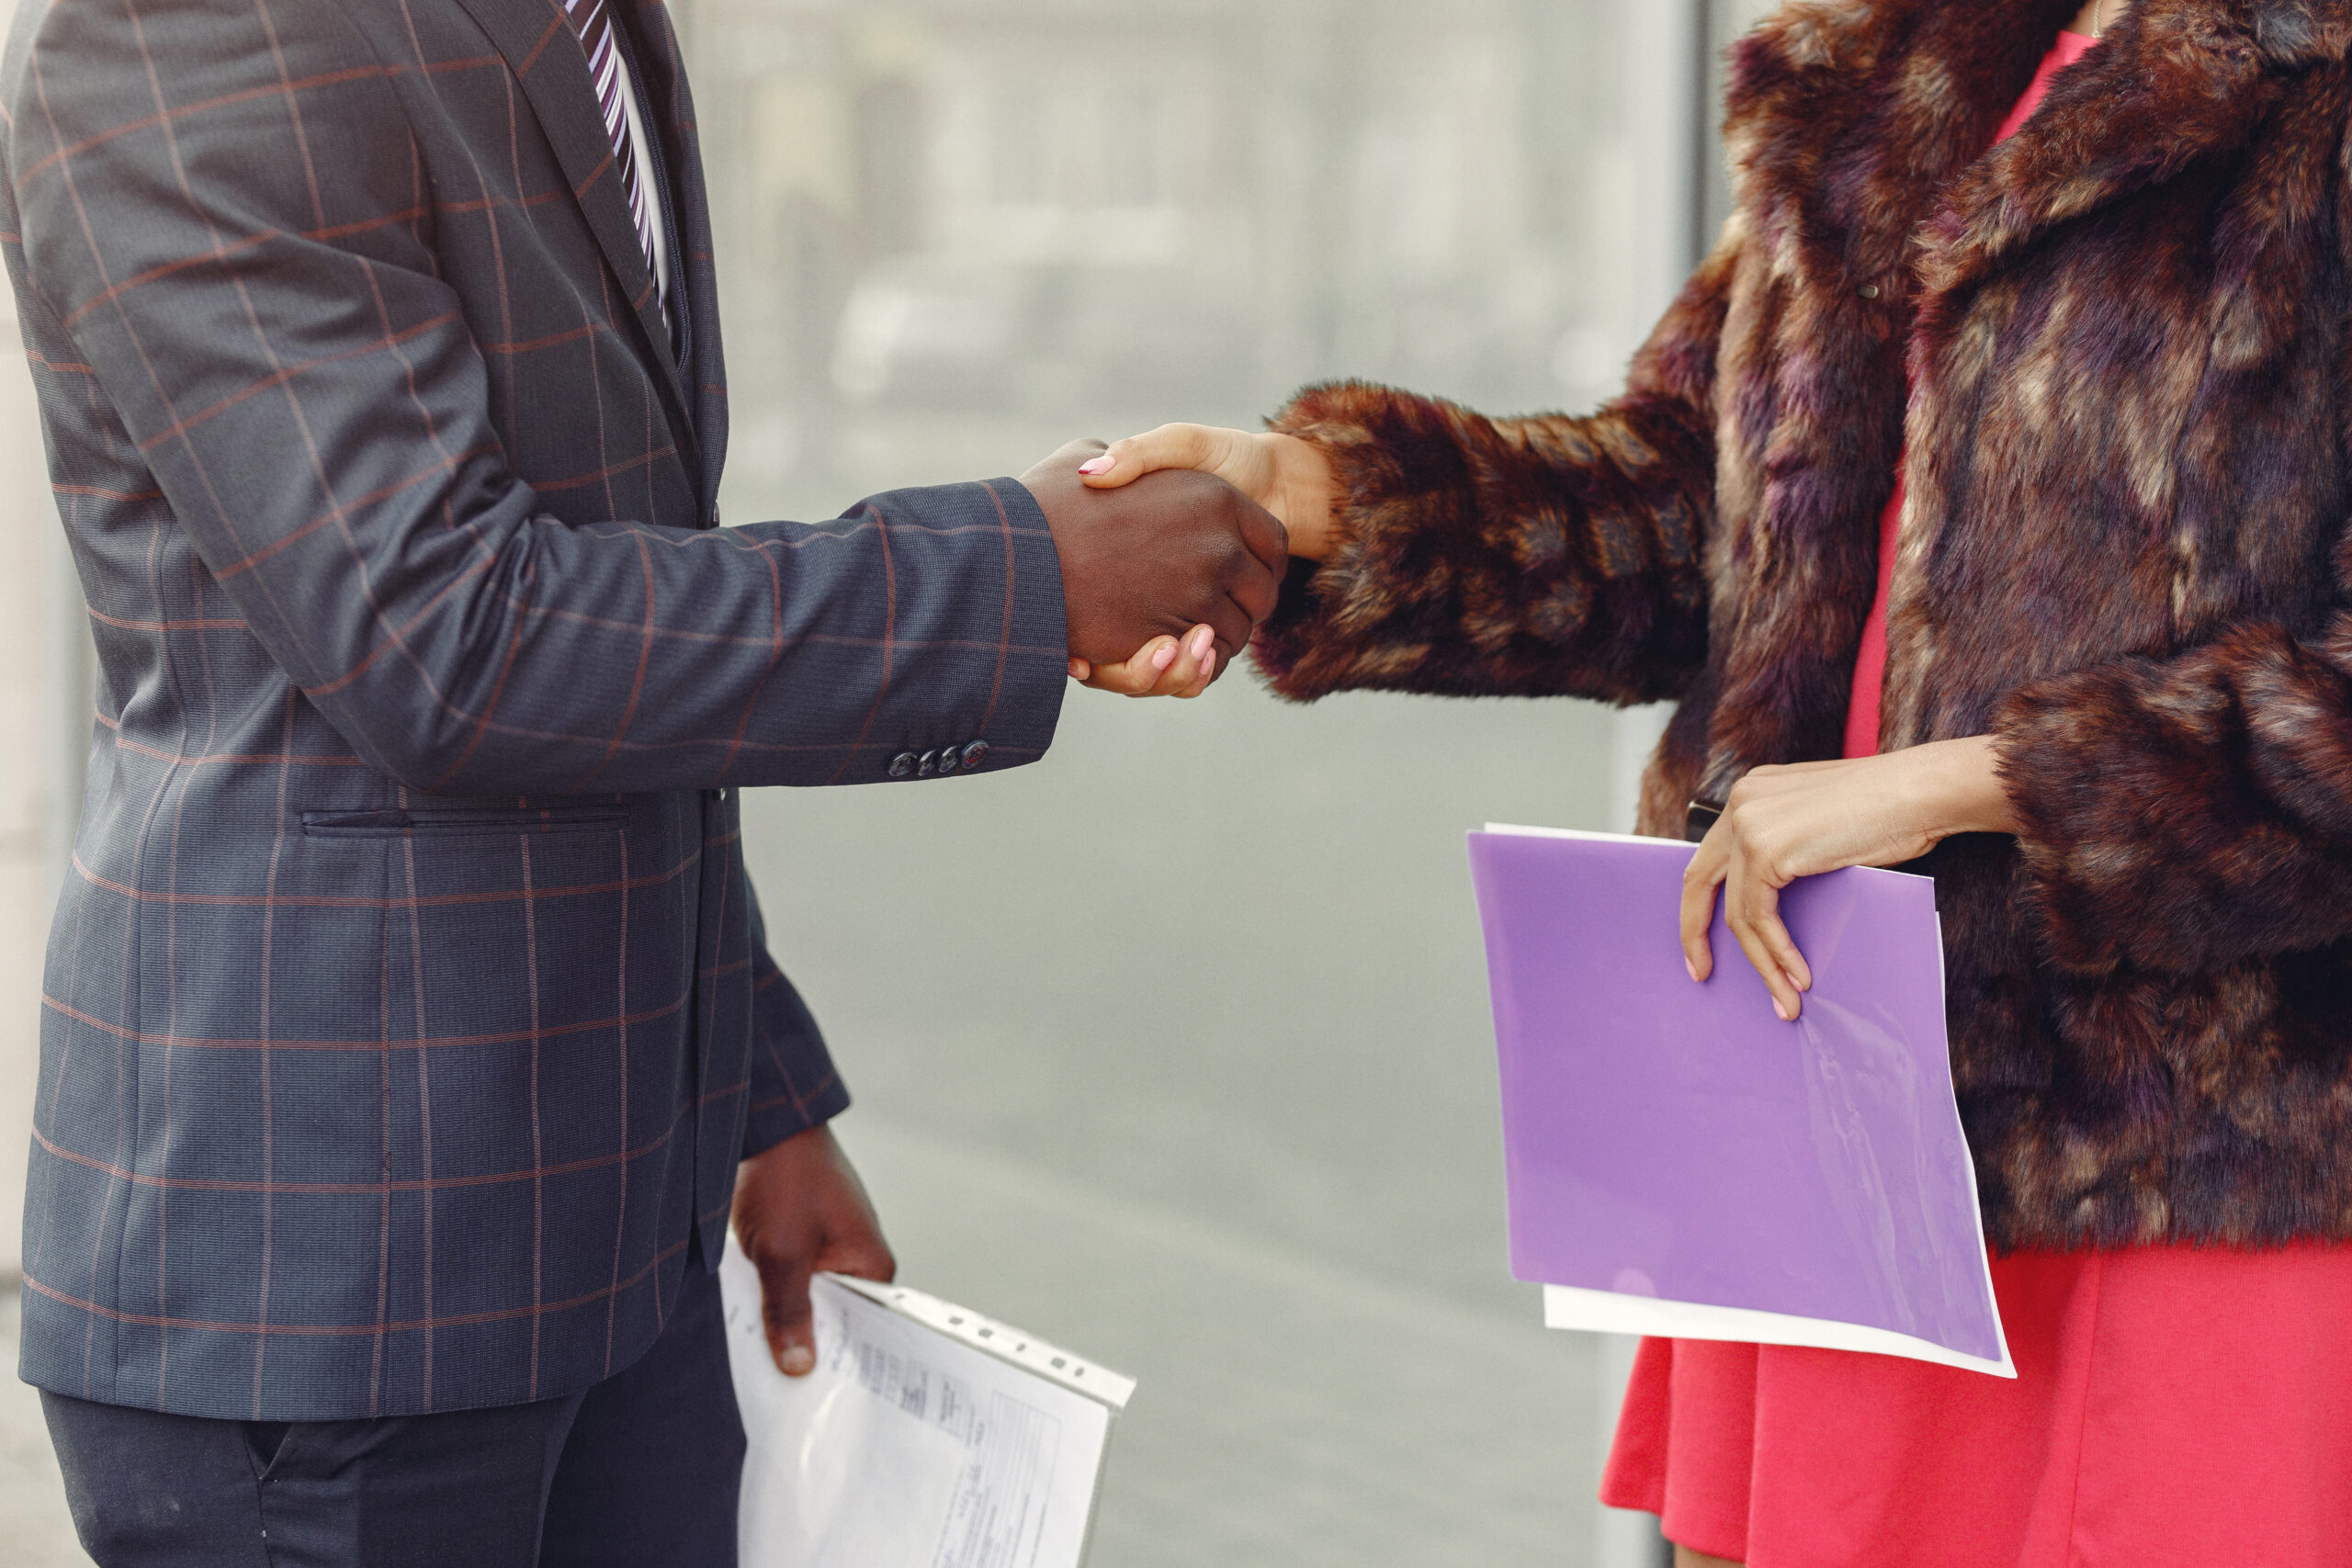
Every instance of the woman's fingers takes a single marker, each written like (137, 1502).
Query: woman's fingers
(1141, 670)
(1783, 947)
(1699, 883)
(1752, 911)
(1228, 454)
(1726, 863)
(1164, 667)
(1208, 673)
(1195, 661)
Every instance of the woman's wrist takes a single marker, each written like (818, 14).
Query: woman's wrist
(1304, 490)
(1962, 788)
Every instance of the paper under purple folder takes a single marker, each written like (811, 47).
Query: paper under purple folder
(1681, 1161)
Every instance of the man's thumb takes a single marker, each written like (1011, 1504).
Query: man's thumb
(792, 1338)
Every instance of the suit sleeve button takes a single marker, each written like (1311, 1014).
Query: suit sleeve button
(929, 765)
(902, 764)
(974, 755)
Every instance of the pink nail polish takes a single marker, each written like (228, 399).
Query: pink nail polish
(1202, 640)
(1778, 1008)
(1101, 464)
(1164, 656)
(1690, 969)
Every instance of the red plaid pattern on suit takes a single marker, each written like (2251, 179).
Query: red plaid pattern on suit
(407, 1009)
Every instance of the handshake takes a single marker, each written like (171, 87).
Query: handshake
(1165, 579)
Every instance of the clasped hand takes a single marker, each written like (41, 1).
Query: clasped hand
(1164, 581)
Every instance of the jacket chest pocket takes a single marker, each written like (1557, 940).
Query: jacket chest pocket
(462, 823)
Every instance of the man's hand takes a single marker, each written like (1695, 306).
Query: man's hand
(1156, 559)
(800, 1209)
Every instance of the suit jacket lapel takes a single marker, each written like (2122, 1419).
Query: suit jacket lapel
(544, 53)
(668, 96)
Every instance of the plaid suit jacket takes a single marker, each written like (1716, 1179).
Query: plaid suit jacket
(407, 1009)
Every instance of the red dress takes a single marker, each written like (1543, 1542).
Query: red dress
(2173, 1405)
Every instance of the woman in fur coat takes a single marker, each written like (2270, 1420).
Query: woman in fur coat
(1985, 499)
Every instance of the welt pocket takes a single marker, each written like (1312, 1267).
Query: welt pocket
(462, 824)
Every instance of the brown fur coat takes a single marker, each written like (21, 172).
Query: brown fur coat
(2125, 552)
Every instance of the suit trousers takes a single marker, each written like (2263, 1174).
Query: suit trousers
(641, 1470)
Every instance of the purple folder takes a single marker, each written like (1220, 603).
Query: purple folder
(1681, 1162)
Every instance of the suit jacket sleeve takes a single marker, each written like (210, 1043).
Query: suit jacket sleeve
(1543, 556)
(247, 270)
(794, 1086)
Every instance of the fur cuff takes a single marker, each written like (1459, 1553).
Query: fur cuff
(1536, 556)
(2186, 814)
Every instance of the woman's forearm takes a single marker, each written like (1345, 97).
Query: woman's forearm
(1958, 787)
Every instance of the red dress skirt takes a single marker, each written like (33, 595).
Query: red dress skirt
(2173, 1405)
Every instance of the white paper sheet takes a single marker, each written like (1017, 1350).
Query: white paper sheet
(1608, 1312)
(928, 1436)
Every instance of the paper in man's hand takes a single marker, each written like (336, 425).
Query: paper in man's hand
(927, 1437)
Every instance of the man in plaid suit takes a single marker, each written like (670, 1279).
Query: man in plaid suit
(407, 1012)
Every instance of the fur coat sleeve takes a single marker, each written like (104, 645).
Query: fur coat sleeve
(2188, 813)
(1535, 557)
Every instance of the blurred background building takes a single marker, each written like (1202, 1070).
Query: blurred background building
(962, 225)
(1175, 1047)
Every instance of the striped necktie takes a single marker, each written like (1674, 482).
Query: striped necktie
(594, 24)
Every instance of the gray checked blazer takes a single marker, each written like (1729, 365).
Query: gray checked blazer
(407, 1010)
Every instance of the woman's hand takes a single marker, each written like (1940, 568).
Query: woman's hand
(1164, 667)
(1786, 822)
(1287, 476)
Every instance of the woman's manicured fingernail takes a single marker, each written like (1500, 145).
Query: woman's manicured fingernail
(1203, 640)
(1079, 670)
(1163, 656)
(1100, 465)
(1690, 969)
(1782, 1009)
(798, 1360)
